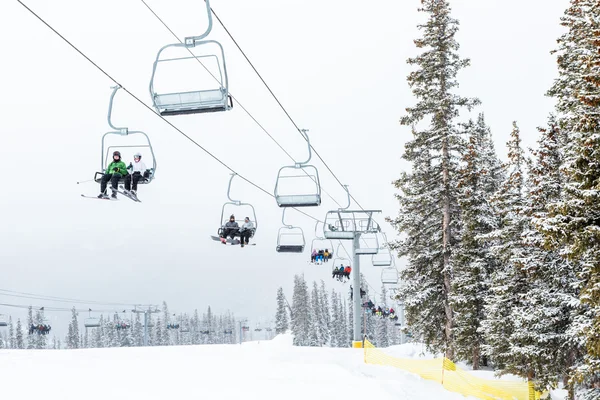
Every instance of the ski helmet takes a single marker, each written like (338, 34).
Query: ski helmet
(117, 153)
(137, 155)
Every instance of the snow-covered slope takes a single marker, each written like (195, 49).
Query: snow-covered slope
(255, 370)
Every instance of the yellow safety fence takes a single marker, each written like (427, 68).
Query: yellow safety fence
(453, 378)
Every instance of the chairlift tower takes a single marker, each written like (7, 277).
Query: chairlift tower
(147, 313)
(345, 224)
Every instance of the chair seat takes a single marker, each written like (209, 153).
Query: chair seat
(366, 250)
(339, 235)
(203, 101)
(289, 248)
(301, 200)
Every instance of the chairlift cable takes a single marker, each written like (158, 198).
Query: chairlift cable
(170, 123)
(280, 104)
(151, 109)
(232, 96)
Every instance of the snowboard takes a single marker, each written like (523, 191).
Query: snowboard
(233, 242)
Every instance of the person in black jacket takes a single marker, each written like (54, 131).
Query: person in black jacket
(230, 229)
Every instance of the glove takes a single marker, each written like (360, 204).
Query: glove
(117, 170)
(130, 166)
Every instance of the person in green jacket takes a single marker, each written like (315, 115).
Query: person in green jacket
(115, 171)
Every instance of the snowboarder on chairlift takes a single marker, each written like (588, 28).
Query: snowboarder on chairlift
(137, 172)
(246, 231)
(231, 229)
(115, 171)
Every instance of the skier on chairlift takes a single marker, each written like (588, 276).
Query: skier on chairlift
(246, 231)
(230, 229)
(138, 172)
(115, 171)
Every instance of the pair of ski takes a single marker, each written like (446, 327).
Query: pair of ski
(232, 242)
(129, 196)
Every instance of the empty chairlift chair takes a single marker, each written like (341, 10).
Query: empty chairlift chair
(384, 257)
(290, 239)
(298, 185)
(127, 147)
(368, 244)
(3, 321)
(390, 276)
(210, 95)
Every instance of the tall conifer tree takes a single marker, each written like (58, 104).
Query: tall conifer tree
(428, 216)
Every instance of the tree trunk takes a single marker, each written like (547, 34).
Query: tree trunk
(476, 357)
(446, 249)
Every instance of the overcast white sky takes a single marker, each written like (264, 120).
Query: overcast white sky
(337, 66)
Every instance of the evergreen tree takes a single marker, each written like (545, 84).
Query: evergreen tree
(381, 325)
(73, 335)
(479, 179)
(336, 320)
(325, 318)
(281, 316)
(428, 217)
(508, 284)
(546, 351)
(30, 322)
(159, 333)
(39, 341)
(301, 312)
(315, 318)
(138, 331)
(166, 333)
(20, 343)
(349, 336)
(573, 224)
(12, 341)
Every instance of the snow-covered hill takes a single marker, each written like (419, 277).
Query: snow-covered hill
(255, 370)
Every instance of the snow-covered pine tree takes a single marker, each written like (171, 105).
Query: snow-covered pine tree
(159, 338)
(138, 331)
(167, 319)
(301, 312)
(336, 321)
(54, 343)
(196, 334)
(30, 322)
(381, 323)
(73, 336)
(84, 340)
(19, 342)
(428, 217)
(472, 261)
(573, 226)
(345, 338)
(315, 317)
(281, 316)
(508, 285)
(40, 341)
(325, 327)
(541, 345)
(12, 341)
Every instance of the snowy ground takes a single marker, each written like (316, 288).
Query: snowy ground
(255, 370)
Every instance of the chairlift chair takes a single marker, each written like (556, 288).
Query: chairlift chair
(384, 257)
(368, 244)
(290, 239)
(91, 322)
(344, 224)
(3, 321)
(321, 243)
(298, 185)
(211, 98)
(107, 150)
(237, 204)
(390, 276)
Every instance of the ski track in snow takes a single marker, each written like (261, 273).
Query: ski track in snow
(255, 370)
